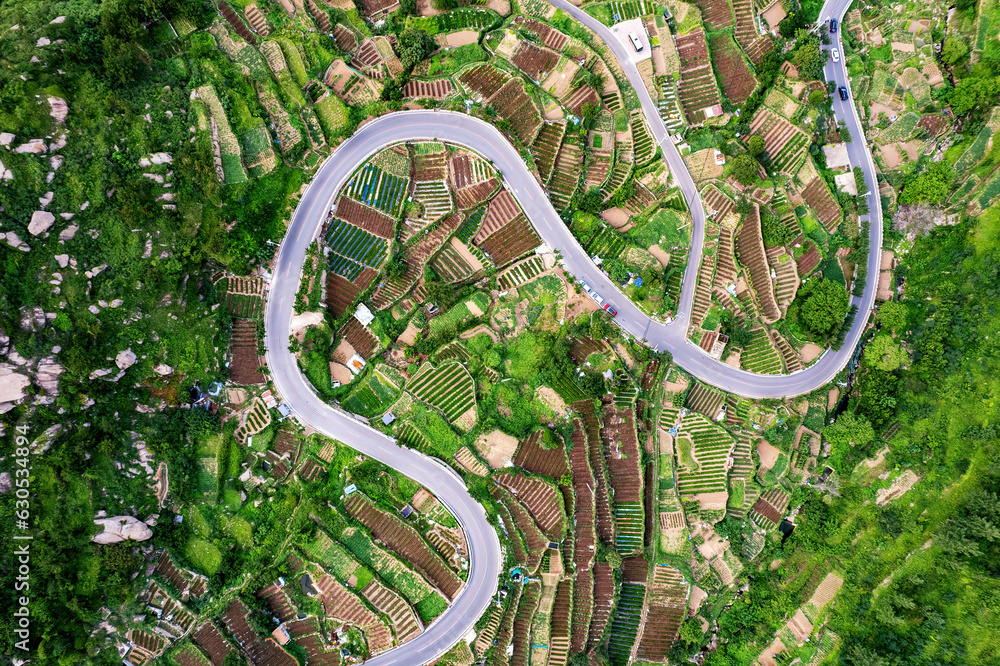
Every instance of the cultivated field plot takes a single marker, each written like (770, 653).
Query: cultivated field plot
(586, 537)
(760, 355)
(511, 242)
(755, 44)
(430, 166)
(542, 499)
(519, 109)
(353, 249)
(342, 604)
(473, 195)
(702, 449)
(566, 177)
(704, 399)
(817, 196)
(244, 367)
(666, 602)
(630, 9)
(750, 249)
(628, 616)
(548, 35)
(623, 455)
(378, 189)
(471, 225)
(434, 197)
(405, 541)
(697, 90)
(592, 426)
(643, 145)
(365, 218)
(448, 387)
(341, 293)
(401, 615)
(735, 77)
(189, 655)
(607, 244)
(717, 14)
(438, 89)
(604, 595)
(537, 456)
(521, 272)
(263, 652)
(532, 541)
(576, 99)
(534, 61)
(784, 143)
(467, 169)
(390, 568)
(363, 341)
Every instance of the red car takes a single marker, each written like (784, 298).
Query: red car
(610, 310)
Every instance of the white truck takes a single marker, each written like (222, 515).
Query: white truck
(636, 42)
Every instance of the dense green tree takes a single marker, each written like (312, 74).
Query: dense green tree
(822, 306)
(598, 328)
(617, 270)
(817, 97)
(974, 92)
(744, 169)
(892, 315)
(930, 186)
(774, 231)
(884, 353)
(954, 51)
(808, 56)
(756, 145)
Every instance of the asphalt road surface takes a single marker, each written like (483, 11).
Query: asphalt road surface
(295, 390)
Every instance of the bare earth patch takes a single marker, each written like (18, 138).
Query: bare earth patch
(497, 447)
(902, 484)
(340, 373)
(502, 7)
(474, 309)
(552, 400)
(343, 352)
(712, 501)
(237, 396)
(409, 336)
(733, 360)
(426, 8)
(462, 37)
(768, 454)
(832, 398)
(774, 14)
(616, 217)
(301, 322)
(466, 254)
(698, 595)
(810, 352)
(467, 420)
(661, 256)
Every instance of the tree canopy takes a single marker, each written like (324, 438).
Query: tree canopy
(931, 186)
(744, 169)
(821, 307)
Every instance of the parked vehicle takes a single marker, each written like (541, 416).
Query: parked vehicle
(636, 42)
(597, 297)
(586, 287)
(836, 55)
(833, 25)
(610, 310)
(843, 92)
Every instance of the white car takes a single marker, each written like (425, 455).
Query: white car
(836, 55)
(636, 42)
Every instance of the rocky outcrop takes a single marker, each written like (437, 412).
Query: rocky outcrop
(40, 221)
(121, 528)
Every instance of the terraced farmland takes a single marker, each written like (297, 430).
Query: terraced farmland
(353, 249)
(717, 14)
(378, 189)
(784, 143)
(760, 355)
(449, 388)
(628, 616)
(706, 445)
(735, 77)
(510, 242)
(697, 90)
(750, 247)
(666, 602)
(818, 197)
(399, 537)
(542, 499)
(471, 225)
(643, 145)
(566, 178)
(435, 197)
(546, 147)
(521, 272)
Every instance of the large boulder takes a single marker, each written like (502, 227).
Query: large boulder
(121, 528)
(40, 221)
(125, 359)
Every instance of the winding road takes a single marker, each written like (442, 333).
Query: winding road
(484, 545)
